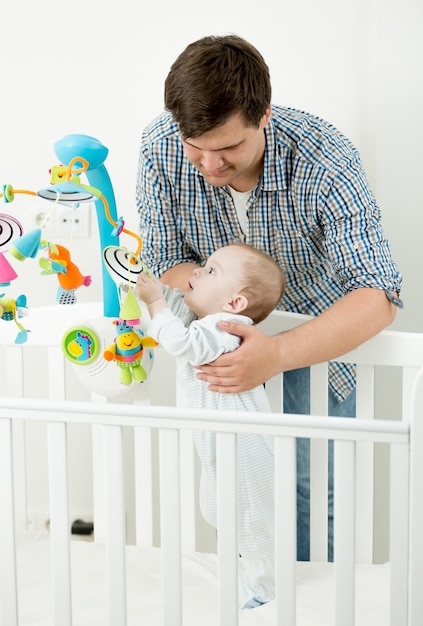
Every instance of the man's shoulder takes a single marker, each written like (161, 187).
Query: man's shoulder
(309, 136)
(298, 118)
(161, 127)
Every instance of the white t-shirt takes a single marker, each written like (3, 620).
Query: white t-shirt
(240, 199)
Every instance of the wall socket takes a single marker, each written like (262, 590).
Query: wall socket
(65, 222)
(72, 222)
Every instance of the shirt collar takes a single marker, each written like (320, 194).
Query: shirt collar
(274, 167)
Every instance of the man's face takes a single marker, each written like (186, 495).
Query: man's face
(231, 154)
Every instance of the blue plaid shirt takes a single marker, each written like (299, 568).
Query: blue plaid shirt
(312, 211)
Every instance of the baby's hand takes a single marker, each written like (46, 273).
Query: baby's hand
(148, 288)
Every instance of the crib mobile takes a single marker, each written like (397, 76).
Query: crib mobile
(96, 343)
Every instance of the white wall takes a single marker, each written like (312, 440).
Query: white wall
(97, 67)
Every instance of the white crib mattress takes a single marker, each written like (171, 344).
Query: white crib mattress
(314, 589)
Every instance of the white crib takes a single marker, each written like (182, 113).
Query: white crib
(164, 576)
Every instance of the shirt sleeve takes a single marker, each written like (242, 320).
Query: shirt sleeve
(200, 342)
(164, 242)
(356, 245)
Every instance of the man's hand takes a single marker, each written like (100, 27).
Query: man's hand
(346, 324)
(250, 365)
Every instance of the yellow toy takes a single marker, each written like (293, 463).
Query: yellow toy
(128, 346)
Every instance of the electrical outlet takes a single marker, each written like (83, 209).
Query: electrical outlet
(73, 222)
(47, 221)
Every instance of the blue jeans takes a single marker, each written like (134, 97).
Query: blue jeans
(296, 390)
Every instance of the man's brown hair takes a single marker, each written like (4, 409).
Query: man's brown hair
(213, 79)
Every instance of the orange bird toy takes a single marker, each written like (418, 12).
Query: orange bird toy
(69, 276)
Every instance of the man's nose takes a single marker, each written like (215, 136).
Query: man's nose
(211, 161)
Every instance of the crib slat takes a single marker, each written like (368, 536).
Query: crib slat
(344, 532)
(286, 533)
(365, 466)
(98, 474)
(98, 482)
(227, 524)
(19, 475)
(59, 522)
(409, 377)
(416, 506)
(187, 465)
(318, 467)
(58, 489)
(399, 535)
(8, 582)
(188, 491)
(114, 506)
(144, 486)
(15, 389)
(170, 523)
(143, 474)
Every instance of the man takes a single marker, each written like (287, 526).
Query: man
(222, 164)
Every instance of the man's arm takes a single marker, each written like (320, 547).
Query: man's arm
(349, 322)
(178, 276)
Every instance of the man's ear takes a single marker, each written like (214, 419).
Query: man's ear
(238, 304)
(265, 119)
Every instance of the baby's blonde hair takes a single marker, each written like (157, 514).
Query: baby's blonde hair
(263, 282)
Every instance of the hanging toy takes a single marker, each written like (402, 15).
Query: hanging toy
(10, 230)
(128, 346)
(27, 246)
(69, 276)
(7, 273)
(11, 310)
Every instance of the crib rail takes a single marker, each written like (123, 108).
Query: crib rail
(400, 353)
(152, 428)
(170, 424)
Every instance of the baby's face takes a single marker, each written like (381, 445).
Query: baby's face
(217, 283)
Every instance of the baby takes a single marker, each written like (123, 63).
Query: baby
(237, 283)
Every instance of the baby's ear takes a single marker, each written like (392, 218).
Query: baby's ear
(238, 304)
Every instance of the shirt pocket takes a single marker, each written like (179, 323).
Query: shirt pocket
(297, 251)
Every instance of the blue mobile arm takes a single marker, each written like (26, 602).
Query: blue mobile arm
(95, 153)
